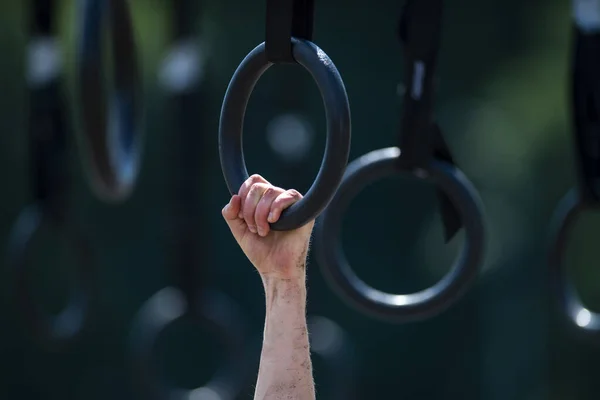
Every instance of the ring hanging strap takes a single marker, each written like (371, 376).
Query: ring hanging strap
(189, 119)
(47, 128)
(287, 19)
(186, 139)
(585, 92)
(420, 138)
(185, 14)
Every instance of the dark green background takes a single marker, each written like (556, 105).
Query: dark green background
(503, 107)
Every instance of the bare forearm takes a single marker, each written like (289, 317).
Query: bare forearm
(285, 367)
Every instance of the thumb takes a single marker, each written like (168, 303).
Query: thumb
(230, 214)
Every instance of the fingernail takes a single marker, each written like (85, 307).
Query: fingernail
(271, 217)
(261, 232)
(240, 215)
(252, 228)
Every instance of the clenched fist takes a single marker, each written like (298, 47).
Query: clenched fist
(248, 214)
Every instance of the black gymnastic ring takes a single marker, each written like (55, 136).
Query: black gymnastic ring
(392, 307)
(337, 147)
(567, 298)
(215, 310)
(112, 140)
(51, 330)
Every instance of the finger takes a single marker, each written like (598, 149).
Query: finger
(264, 208)
(245, 188)
(249, 206)
(230, 214)
(283, 201)
(232, 209)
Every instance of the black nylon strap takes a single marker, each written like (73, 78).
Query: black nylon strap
(185, 15)
(185, 140)
(48, 146)
(286, 19)
(41, 21)
(48, 140)
(419, 32)
(450, 215)
(188, 119)
(420, 137)
(420, 29)
(586, 112)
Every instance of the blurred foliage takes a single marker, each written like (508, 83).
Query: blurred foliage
(503, 107)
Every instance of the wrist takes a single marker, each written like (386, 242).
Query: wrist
(293, 272)
(286, 281)
(286, 293)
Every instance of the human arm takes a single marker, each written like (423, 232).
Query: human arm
(285, 366)
(285, 370)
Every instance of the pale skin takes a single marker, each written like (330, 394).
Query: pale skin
(285, 370)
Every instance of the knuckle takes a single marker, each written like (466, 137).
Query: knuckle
(272, 192)
(249, 195)
(256, 188)
(256, 178)
(268, 193)
(294, 193)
